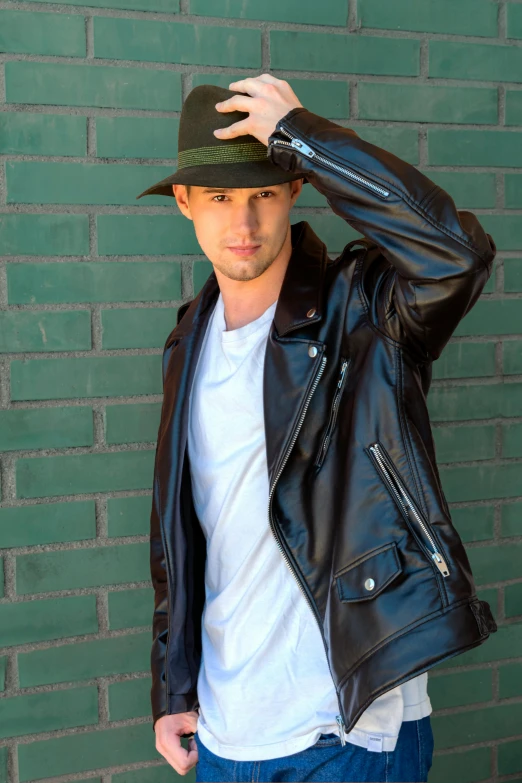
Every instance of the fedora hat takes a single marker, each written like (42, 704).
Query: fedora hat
(205, 160)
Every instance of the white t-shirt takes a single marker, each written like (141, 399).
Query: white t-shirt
(264, 688)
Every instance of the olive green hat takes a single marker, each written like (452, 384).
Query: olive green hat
(205, 160)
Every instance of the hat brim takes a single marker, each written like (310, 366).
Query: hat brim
(255, 174)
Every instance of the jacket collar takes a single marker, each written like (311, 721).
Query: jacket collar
(301, 290)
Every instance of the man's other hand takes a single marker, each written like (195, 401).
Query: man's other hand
(168, 730)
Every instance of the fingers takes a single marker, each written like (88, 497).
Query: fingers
(252, 82)
(237, 129)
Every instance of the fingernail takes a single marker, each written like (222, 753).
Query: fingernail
(218, 104)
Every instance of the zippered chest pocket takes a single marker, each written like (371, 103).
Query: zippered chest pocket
(415, 519)
(332, 416)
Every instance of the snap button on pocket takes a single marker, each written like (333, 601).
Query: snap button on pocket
(365, 578)
(312, 351)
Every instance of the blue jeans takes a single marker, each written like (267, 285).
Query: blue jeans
(328, 760)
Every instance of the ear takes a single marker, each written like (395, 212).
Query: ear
(181, 196)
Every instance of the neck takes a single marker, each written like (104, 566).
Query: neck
(244, 301)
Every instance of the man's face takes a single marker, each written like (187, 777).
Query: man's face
(226, 218)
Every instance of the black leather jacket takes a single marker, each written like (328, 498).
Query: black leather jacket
(355, 504)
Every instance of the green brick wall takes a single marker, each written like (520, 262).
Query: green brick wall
(90, 282)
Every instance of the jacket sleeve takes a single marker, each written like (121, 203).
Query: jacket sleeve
(159, 577)
(439, 257)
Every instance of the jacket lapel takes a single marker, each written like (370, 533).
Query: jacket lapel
(289, 370)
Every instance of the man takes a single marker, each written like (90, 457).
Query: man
(307, 573)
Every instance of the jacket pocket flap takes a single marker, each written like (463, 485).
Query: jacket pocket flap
(368, 576)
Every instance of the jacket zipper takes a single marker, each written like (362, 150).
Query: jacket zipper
(333, 415)
(394, 481)
(299, 145)
(339, 718)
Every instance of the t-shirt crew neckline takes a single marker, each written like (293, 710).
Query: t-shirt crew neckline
(242, 332)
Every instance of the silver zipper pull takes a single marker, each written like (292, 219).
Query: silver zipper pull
(340, 723)
(440, 563)
(302, 147)
(343, 370)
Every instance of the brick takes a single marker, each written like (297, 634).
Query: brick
(474, 147)
(172, 42)
(510, 680)
(458, 444)
(474, 523)
(92, 85)
(460, 689)
(3, 670)
(136, 423)
(509, 760)
(467, 18)
(460, 403)
(330, 53)
(163, 6)
(3, 764)
(44, 235)
(132, 235)
(328, 13)
(74, 474)
(155, 774)
(513, 107)
(144, 327)
(81, 752)
(31, 428)
(514, 20)
(512, 268)
(511, 440)
(104, 281)
(35, 182)
(333, 230)
(97, 376)
(327, 98)
(512, 357)
(481, 482)
(465, 766)
(513, 185)
(84, 660)
(468, 190)
(129, 516)
(25, 330)
(403, 142)
(26, 33)
(44, 572)
(49, 711)
(496, 562)
(26, 622)
(47, 523)
(422, 103)
(478, 725)
(506, 230)
(130, 699)
(130, 608)
(491, 62)
(465, 360)
(29, 133)
(511, 516)
(513, 599)
(200, 273)
(137, 137)
(493, 316)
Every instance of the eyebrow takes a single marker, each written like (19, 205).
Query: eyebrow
(229, 190)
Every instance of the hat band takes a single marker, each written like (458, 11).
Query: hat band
(225, 153)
